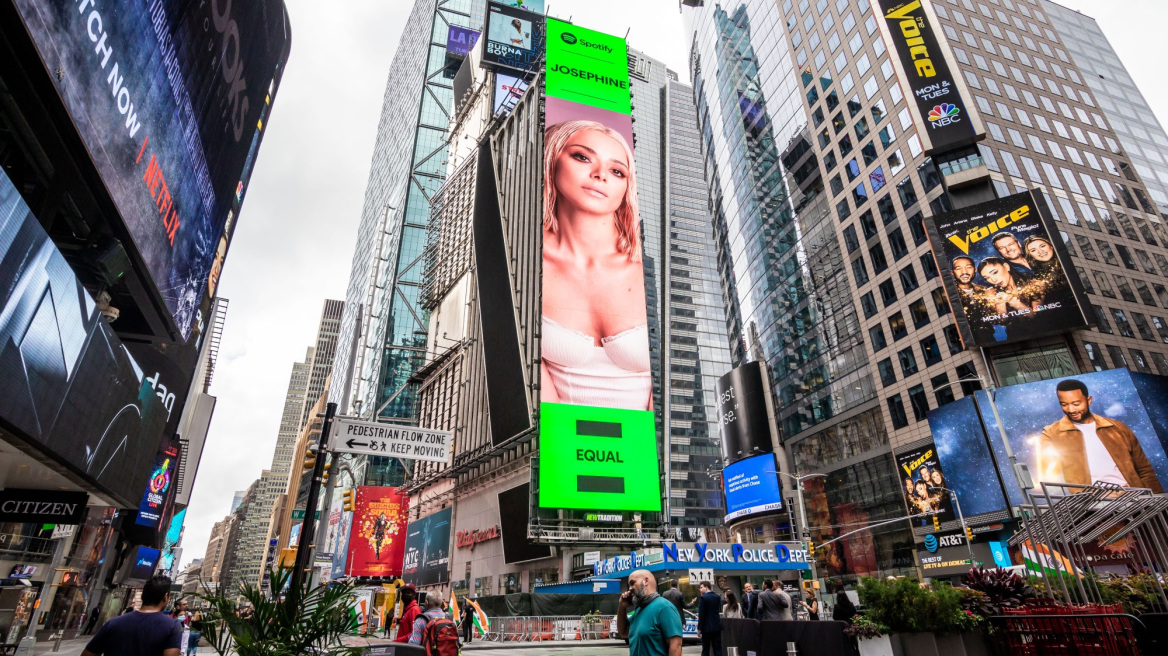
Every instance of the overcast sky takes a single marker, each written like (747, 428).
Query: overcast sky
(298, 225)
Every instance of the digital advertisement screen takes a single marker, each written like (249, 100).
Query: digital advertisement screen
(743, 422)
(143, 562)
(1080, 429)
(508, 90)
(923, 483)
(377, 542)
(1005, 274)
(587, 67)
(459, 40)
(515, 37)
(427, 556)
(514, 513)
(170, 97)
(157, 493)
(67, 382)
(752, 487)
(944, 119)
(598, 438)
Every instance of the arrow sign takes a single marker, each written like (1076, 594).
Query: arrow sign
(395, 440)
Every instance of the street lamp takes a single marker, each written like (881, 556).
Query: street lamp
(803, 508)
(960, 518)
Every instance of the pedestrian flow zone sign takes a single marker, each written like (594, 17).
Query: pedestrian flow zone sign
(395, 440)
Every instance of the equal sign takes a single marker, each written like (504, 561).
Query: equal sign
(614, 484)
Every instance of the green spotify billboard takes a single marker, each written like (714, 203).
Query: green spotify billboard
(598, 438)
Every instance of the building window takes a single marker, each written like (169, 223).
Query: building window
(868, 302)
(920, 402)
(908, 279)
(931, 350)
(1140, 361)
(887, 372)
(919, 312)
(929, 264)
(879, 262)
(1122, 324)
(916, 225)
(887, 209)
(1161, 363)
(896, 412)
(860, 271)
(851, 241)
(908, 361)
(897, 326)
(942, 389)
(1117, 355)
(940, 301)
(868, 225)
(1101, 320)
(908, 195)
(953, 339)
(1094, 356)
(1142, 327)
(876, 335)
(897, 244)
(888, 292)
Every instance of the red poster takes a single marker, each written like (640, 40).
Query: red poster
(377, 542)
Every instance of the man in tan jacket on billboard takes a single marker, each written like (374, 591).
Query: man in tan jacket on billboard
(1092, 448)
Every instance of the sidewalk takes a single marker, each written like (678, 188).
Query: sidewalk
(487, 645)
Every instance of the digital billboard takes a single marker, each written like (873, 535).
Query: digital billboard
(514, 37)
(508, 90)
(514, 513)
(752, 487)
(944, 118)
(158, 486)
(377, 540)
(459, 40)
(1080, 429)
(597, 433)
(587, 67)
(67, 382)
(1007, 278)
(427, 557)
(924, 485)
(743, 421)
(170, 98)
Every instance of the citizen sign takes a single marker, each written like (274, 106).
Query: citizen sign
(43, 506)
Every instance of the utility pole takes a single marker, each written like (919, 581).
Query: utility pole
(307, 530)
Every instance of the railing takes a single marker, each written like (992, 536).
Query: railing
(1071, 632)
(550, 628)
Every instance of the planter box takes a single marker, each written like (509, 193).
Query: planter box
(881, 646)
(920, 644)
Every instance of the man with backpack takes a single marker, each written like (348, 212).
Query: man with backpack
(433, 613)
(440, 635)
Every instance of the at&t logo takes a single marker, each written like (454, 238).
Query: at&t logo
(931, 543)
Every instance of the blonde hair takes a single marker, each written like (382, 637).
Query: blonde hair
(628, 224)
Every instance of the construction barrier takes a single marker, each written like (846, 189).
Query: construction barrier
(550, 628)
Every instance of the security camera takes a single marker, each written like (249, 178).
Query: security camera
(108, 311)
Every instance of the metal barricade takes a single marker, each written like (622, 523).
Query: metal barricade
(551, 628)
(1066, 633)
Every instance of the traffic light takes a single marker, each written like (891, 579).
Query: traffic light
(325, 473)
(969, 534)
(811, 548)
(936, 523)
(348, 500)
(309, 461)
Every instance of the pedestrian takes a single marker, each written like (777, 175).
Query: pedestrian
(196, 632)
(182, 614)
(433, 612)
(467, 623)
(788, 606)
(410, 612)
(749, 602)
(709, 620)
(145, 632)
(731, 610)
(674, 596)
(655, 629)
(812, 606)
(845, 610)
(772, 605)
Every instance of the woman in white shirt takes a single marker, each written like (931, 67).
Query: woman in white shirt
(731, 610)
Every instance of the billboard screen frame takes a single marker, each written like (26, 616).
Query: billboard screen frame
(502, 54)
(422, 564)
(365, 557)
(765, 469)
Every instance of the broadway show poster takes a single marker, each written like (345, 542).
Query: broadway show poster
(922, 483)
(377, 542)
(1004, 272)
(427, 558)
(1078, 430)
(170, 97)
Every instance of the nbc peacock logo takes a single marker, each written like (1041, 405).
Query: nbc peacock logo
(944, 114)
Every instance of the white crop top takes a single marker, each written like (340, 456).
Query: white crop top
(612, 375)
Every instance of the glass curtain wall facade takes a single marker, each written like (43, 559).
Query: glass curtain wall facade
(383, 329)
(1120, 100)
(694, 323)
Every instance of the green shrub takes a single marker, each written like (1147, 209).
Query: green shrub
(905, 606)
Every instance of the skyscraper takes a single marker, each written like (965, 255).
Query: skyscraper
(383, 332)
(323, 354)
(821, 188)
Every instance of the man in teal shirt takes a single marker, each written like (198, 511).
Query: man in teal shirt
(655, 628)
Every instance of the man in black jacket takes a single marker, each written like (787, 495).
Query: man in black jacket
(710, 620)
(749, 602)
(770, 604)
(674, 596)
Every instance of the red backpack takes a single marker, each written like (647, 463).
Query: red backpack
(440, 638)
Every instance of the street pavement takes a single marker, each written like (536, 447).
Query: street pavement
(591, 648)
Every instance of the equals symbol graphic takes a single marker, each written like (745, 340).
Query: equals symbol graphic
(613, 484)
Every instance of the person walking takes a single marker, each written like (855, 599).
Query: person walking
(772, 605)
(433, 612)
(410, 612)
(467, 624)
(731, 610)
(145, 632)
(674, 596)
(709, 620)
(655, 629)
(845, 610)
(788, 607)
(812, 606)
(749, 602)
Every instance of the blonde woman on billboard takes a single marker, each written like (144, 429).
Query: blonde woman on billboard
(595, 337)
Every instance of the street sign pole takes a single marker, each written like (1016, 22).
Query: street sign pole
(307, 533)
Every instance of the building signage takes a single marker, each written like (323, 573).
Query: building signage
(42, 506)
(699, 552)
(459, 40)
(1006, 271)
(591, 557)
(427, 559)
(154, 499)
(743, 421)
(935, 541)
(953, 561)
(604, 517)
(626, 562)
(752, 487)
(514, 37)
(923, 484)
(376, 439)
(468, 539)
(598, 437)
(170, 97)
(944, 119)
